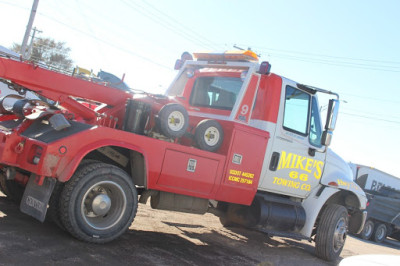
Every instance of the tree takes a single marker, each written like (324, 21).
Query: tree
(55, 55)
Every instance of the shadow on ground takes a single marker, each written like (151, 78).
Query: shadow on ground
(24, 240)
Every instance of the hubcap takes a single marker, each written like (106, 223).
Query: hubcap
(103, 205)
(380, 233)
(211, 136)
(176, 121)
(368, 229)
(340, 234)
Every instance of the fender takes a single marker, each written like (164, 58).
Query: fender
(337, 177)
(337, 173)
(313, 205)
(64, 174)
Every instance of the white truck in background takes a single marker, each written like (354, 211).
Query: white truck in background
(369, 178)
(383, 208)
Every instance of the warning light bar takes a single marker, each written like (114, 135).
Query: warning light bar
(242, 55)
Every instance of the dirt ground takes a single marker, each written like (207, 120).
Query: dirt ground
(161, 238)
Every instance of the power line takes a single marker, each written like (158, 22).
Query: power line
(116, 25)
(106, 42)
(94, 37)
(330, 56)
(339, 63)
(360, 63)
(372, 118)
(371, 98)
(15, 5)
(165, 23)
(374, 114)
(179, 24)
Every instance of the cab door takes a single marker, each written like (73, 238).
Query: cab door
(295, 161)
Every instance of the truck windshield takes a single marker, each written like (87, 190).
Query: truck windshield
(215, 92)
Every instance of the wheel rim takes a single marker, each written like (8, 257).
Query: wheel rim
(211, 136)
(368, 229)
(103, 205)
(176, 121)
(380, 233)
(340, 234)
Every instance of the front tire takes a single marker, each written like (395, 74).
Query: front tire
(98, 203)
(380, 233)
(331, 232)
(368, 230)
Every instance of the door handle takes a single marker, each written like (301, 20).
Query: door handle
(274, 161)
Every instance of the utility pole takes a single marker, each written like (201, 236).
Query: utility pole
(30, 48)
(29, 28)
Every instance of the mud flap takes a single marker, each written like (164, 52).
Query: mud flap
(35, 199)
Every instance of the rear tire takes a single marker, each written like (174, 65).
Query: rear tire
(53, 212)
(331, 232)
(368, 230)
(380, 233)
(98, 203)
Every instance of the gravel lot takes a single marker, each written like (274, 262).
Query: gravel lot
(161, 238)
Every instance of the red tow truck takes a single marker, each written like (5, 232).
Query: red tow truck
(228, 137)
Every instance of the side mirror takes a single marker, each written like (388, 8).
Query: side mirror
(331, 118)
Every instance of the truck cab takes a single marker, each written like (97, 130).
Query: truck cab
(299, 173)
(232, 86)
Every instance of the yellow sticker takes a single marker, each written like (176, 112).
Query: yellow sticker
(240, 177)
(298, 162)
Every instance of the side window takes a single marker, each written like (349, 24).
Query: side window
(297, 106)
(315, 125)
(215, 92)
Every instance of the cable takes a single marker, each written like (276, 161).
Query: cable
(379, 65)
(178, 23)
(329, 56)
(373, 118)
(374, 114)
(106, 42)
(15, 5)
(338, 63)
(370, 98)
(164, 23)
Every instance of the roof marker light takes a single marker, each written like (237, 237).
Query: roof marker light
(265, 68)
(179, 62)
(245, 55)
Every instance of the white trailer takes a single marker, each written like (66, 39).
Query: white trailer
(371, 179)
(383, 208)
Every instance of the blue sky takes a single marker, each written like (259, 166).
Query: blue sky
(350, 47)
